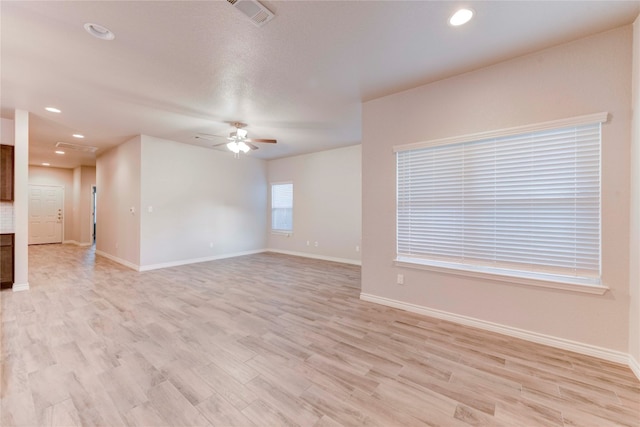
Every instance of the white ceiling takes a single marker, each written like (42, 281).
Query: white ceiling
(177, 68)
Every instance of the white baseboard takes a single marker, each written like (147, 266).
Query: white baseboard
(73, 242)
(118, 260)
(561, 343)
(197, 260)
(635, 366)
(218, 257)
(314, 256)
(19, 287)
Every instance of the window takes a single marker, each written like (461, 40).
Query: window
(282, 207)
(521, 202)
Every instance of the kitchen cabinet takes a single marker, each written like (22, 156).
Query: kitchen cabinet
(6, 260)
(6, 173)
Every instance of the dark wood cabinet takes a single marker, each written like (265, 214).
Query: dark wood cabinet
(6, 260)
(6, 173)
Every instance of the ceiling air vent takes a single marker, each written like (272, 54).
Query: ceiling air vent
(257, 13)
(76, 147)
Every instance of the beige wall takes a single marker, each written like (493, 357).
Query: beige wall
(198, 203)
(118, 183)
(327, 201)
(587, 76)
(7, 131)
(634, 253)
(59, 177)
(84, 178)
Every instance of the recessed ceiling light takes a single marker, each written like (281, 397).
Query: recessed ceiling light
(461, 17)
(77, 135)
(99, 31)
(46, 164)
(53, 110)
(59, 152)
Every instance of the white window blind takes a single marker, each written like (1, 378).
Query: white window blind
(527, 202)
(282, 207)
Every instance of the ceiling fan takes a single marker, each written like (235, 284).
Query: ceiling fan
(238, 140)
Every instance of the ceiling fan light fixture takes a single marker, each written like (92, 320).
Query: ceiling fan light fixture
(237, 140)
(237, 147)
(243, 147)
(233, 146)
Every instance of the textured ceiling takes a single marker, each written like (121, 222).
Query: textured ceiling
(177, 68)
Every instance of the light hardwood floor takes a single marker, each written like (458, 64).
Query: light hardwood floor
(271, 340)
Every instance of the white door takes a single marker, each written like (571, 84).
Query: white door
(45, 214)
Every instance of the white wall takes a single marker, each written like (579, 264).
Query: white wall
(327, 200)
(118, 183)
(634, 253)
(21, 200)
(587, 76)
(205, 203)
(59, 177)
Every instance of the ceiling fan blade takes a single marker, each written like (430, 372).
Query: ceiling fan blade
(267, 141)
(208, 137)
(253, 147)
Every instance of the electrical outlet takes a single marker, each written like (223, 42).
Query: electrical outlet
(400, 279)
(357, 248)
(315, 244)
(308, 243)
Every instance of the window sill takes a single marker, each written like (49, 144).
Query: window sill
(594, 286)
(282, 233)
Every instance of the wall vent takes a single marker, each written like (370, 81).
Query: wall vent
(76, 147)
(256, 12)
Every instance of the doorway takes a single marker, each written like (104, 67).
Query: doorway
(45, 214)
(94, 210)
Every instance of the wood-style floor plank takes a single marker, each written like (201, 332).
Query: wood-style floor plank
(271, 340)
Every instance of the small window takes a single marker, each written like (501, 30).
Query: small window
(282, 207)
